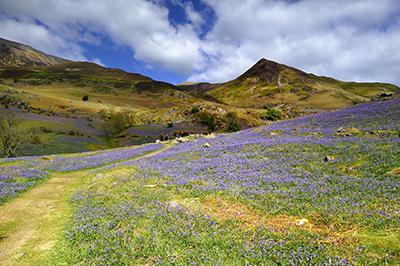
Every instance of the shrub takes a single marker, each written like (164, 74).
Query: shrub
(116, 123)
(85, 98)
(209, 121)
(232, 124)
(272, 114)
(11, 136)
(195, 109)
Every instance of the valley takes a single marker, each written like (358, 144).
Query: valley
(80, 106)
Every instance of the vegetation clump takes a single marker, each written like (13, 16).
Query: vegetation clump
(116, 123)
(272, 114)
(12, 137)
(195, 110)
(209, 121)
(231, 122)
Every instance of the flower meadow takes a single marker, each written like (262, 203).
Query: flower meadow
(19, 174)
(317, 190)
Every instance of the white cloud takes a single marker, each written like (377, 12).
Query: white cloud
(40, 38)
(351, 40)
(141, 25)
(338, 38)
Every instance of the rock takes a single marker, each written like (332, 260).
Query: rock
(181, 139)
(158, 141)
(329, 158)
(347, 132)
(218, 110)
(210, 136)
(386, 94)
(206, 145)
(302, 222)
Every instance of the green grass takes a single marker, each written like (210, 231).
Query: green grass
(164, 233)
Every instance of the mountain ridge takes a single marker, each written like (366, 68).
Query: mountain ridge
(17, 54)
(271, 83)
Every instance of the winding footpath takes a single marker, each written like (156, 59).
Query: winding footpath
(31, 223)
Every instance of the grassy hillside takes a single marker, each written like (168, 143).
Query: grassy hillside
(84, 99)
(18, 54)
(80, 106)
(318, 190)
(270, 83)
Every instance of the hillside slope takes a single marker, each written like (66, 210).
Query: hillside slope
(271, 83)
(75, 106)
(18, 54)
(317, 190)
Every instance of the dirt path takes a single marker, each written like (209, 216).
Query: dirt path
(31, 223)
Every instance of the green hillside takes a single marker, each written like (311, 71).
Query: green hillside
(271, 83)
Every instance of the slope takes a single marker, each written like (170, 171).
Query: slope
(271, 83)
(17, 54)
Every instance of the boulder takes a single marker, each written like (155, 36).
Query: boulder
(329, 158)
(206, 145)
(348, 132)
(302, 222)
(181, 139)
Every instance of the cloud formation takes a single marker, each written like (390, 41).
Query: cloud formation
(350, 40)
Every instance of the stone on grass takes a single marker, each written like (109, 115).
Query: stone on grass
(302, 222)
(206, 145)
(329, 158)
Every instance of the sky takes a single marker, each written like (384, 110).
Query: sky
(214, 40)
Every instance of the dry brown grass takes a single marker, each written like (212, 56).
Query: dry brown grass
(223, 210)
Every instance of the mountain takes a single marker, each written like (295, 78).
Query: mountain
(79, 106)
(269, 83)
(17, 54)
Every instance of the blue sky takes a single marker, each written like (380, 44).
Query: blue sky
(214, 40)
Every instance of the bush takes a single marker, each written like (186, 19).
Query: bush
(116, 123)
(272, 114)
(195, 109)
(85, 98)
(11, 136)
(232, 124)
(209, 121)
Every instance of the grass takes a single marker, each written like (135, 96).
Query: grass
(310, 91)
(31, 222)
(31, 226)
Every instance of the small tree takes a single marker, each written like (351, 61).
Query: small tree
(12, 137)
(116, 123)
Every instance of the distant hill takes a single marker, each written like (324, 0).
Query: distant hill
(271, 83)
(74, 104)
(17, 54)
